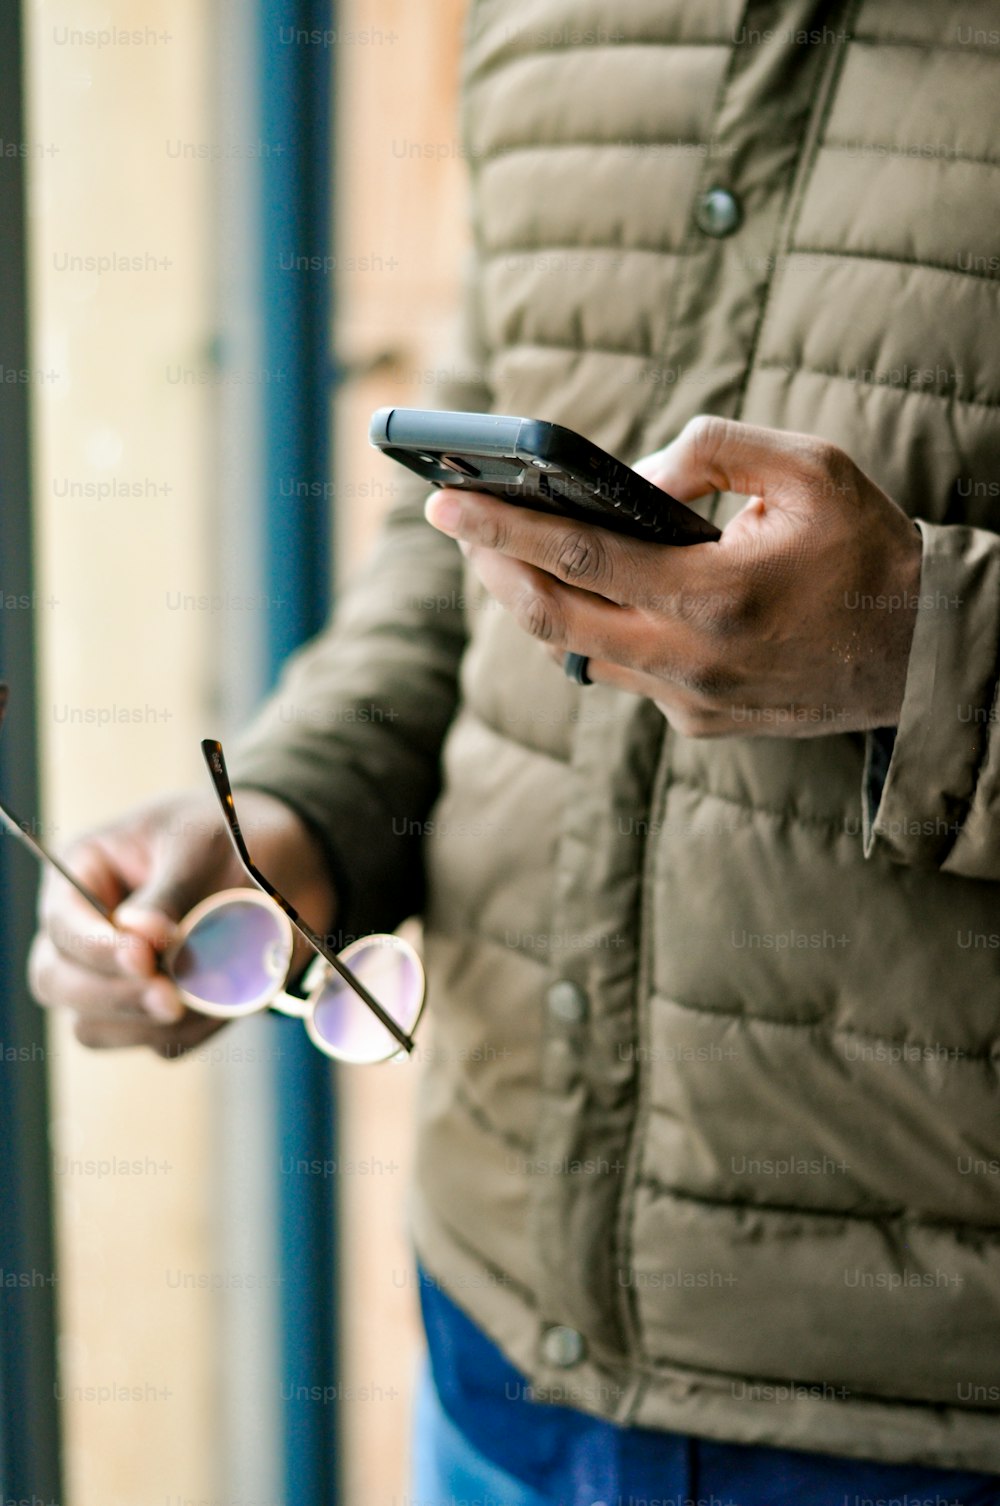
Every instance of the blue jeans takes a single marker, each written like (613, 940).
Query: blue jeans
(447, 1470)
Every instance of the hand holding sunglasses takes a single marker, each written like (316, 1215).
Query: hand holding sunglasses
(232, 954)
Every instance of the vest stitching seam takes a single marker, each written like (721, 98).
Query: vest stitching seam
(545, 248)
(872, 39)
(687, 143)
(977, 1058)
(720, 44)
(494, 154)
(895, 261)
(676, 1369)
(480, 1118)
(685, 271)
(900, 152)
(820, 1023)
(625, 1218)
(893, 1216)
(684, 1369)
(480, 73)
(505, 736)
(580, 350)
(805, 167)
(504, 1278)
(778, 812)
(791, 367)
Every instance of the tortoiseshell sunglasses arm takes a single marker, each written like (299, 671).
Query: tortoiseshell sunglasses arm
(214, 758)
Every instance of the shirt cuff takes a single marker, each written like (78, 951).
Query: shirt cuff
(921, 778)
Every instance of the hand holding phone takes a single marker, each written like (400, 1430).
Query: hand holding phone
(538, 465)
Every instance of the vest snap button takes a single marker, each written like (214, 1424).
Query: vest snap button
(718, 212)
(567, 1001)
(562, 1346)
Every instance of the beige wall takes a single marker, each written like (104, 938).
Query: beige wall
(121, 508)
(124, 499)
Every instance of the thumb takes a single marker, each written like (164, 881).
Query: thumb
(721, 455)
(172, 888)
(154, 909)
(152, 912)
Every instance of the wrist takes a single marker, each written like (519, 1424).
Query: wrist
(290, 853)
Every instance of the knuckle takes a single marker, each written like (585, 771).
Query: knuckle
(825, 455)
(832, 469)
(705, 432)
(711, 678)
(493, 531)
(536, 615)
(733, 611)
(581, 556)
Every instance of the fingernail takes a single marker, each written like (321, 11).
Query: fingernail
(160, 1001)
(444, 511)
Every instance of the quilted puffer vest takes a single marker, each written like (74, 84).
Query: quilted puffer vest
(710, 1136)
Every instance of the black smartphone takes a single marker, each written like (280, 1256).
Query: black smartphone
(535, 464)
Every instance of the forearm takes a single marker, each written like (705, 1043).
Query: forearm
(351, 737)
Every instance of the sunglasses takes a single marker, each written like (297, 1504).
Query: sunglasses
(232, 955)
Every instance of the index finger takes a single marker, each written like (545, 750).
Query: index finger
(79, 932)
(626, 571)
(576, 553)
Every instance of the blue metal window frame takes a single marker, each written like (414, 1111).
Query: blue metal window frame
(29, 1417)
(295, 89)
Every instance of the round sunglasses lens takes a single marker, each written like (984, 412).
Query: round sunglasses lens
(234, 956)
(342, 1022)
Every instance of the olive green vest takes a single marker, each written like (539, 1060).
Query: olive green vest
(709, 1130)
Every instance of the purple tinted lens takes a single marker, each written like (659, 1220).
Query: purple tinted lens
(235, 956)
(392, 974)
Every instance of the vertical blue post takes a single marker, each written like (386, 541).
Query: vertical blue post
(29, 1421)
(296, 69)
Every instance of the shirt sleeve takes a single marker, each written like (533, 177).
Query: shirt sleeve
(351, 737)
(931, 794)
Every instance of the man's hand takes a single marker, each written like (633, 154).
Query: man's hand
(151, 868)
(796, 623)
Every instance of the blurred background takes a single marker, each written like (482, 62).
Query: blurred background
(228, 232)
